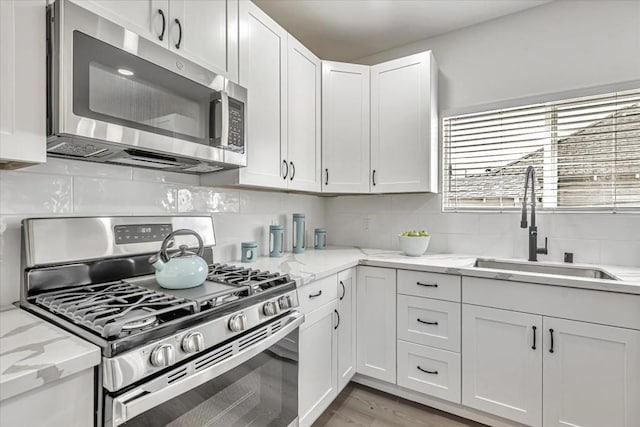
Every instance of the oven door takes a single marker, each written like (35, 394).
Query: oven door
(251, 381)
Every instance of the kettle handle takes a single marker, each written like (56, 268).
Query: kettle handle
(181, 232)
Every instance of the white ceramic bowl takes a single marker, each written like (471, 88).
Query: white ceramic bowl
(414, 246)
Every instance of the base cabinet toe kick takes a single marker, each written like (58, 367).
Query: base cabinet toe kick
(500, 352)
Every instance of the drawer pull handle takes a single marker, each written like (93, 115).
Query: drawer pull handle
(344, 290)
(338, 316)
(551, 335)
(316, 295)
(427, 371)
(429, 285)
(533, 347)
(425, 322)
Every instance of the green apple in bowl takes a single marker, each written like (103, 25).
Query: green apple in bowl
(414, 243)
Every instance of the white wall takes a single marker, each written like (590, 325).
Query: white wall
(70, 188)
(558, 47)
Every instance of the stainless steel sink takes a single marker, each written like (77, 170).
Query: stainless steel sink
(533, 267)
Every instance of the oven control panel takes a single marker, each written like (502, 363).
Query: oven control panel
(141, 233)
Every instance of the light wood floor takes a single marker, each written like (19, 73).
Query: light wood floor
(360, 406)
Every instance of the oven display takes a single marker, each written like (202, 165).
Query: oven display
(141, 233)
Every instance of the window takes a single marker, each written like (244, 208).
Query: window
(585, 151)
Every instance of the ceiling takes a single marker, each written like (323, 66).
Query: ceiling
(345, 30)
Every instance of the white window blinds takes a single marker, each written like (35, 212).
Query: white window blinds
(585, 151)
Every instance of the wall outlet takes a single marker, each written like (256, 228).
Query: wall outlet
(366, 223)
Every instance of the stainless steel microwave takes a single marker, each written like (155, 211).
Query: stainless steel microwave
(116, 97)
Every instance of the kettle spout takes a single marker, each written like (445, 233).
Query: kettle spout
(157, 262)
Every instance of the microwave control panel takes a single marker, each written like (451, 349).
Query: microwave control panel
(236, 125)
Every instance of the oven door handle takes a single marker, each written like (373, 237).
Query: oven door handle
(145, 397)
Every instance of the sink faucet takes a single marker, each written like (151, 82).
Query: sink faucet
(534, 250)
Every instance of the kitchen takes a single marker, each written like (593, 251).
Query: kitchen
(333, 159)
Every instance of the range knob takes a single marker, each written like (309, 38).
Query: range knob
(162, 356)
(238, 322)
(271, 308)
(193, 342)
(285, 302)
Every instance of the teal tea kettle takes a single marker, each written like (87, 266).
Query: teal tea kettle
(183, 269)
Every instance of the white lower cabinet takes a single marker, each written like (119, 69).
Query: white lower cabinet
(318, 375)
(429, 370)
(327, 342)
(502, 363)
(376, 323)
(66, 402)
(346, 327)
(591, 375)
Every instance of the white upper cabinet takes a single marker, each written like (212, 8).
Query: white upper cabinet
(147, 18)
(263, 55)
(376, 323)
(404, 125)
(22, 83)
(502, 363)
(205, 32)
(591, 375)
(345, 128)
(303, 117)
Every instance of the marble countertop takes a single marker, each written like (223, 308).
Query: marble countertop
(316, 264)
(34, 352)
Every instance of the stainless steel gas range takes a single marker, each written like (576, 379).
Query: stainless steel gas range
(221, 354)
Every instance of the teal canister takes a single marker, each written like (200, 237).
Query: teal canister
(298, 233)
(249, 251)
(320, 238)
(276, 240)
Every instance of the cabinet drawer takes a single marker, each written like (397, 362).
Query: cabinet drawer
(431, 285)
(317, 293)
(430, 322)
(430, 371)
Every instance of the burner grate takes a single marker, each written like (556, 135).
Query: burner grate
(116, 309)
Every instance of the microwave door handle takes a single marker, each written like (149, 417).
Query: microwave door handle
(156, 392)
(224, 136)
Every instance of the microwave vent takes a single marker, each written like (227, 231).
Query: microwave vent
(76, 149)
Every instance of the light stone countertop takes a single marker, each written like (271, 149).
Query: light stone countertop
(33, 352)
(317, 264)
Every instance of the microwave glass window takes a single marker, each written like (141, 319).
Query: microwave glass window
(133, 99)
(114, 86)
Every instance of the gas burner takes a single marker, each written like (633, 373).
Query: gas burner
(116, 309)
(141, 323)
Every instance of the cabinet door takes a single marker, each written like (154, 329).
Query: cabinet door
(206, 32)
(303, 117)
(346, 327)
(376, 323)
(22, 83)
(318, 373)
(263, 60)
(345, 128)
(404, 126)
(143, 17)
(501, 369)
(592, 378)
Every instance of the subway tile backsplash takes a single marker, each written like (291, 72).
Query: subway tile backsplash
(374, 221)
(66, 187)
